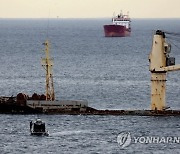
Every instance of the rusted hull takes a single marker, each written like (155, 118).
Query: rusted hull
(116, 31)
(17, 109)
(9, 105)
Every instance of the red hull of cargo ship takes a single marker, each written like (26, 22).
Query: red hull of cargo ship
(116, 31)
(120, 27)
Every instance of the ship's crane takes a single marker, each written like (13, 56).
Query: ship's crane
(47, 64)
(160, 64)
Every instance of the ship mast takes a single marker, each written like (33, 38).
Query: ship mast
(160, 64)
(47, 64)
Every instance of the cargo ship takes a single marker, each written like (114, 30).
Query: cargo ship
(47, 104)
(120, 27)
(41, 103)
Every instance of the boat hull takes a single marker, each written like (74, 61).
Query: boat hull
(116, 31)
(40, 133)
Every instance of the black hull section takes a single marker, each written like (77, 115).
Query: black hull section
(17, 109)
(40, 133)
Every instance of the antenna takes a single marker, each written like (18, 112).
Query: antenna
(48, 25)
(47, 64)
(121, 13)
(114, 14)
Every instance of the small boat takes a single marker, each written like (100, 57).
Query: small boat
(38, 128)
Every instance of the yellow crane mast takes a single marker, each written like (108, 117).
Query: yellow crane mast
(47, 64)
(160, 64)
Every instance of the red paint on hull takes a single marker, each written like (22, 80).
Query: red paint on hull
(116, 31)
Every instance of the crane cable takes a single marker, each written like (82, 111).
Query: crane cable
(173, 37)
(172, 33)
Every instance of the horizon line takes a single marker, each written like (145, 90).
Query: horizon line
(84, 18)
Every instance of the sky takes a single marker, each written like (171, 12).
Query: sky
(89, 8)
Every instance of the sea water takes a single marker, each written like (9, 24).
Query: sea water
(110, 73)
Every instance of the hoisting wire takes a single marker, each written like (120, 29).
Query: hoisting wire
(173, 43)
(173, 37)
(172, 33)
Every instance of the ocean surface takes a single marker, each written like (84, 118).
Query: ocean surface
(110, 73)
